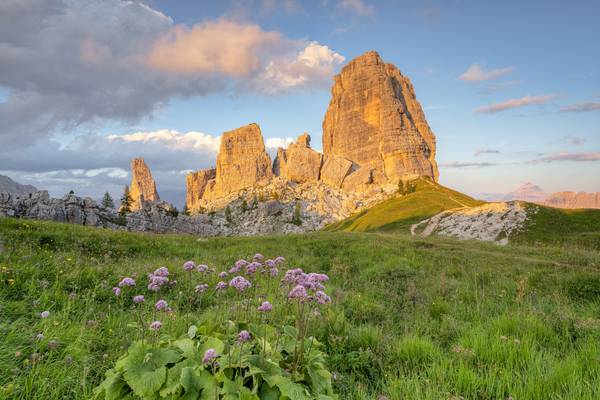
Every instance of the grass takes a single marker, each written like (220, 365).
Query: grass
(399, 213)
(411, 318)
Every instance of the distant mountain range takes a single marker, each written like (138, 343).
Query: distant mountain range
(14, 188)
(534, 194)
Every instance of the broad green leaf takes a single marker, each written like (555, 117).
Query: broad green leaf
(173, 376)
(209, 385)
(212, 343)
(267, 392)
(289, 389)
(320, 378)
(189, 349)
(190, 380)
(192, 331)
(112, 387)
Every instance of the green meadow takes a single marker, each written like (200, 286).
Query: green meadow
(410, 318)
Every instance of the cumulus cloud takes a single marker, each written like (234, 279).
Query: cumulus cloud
(359, 7)
(566, 156)
(68, 64)
(516, 103)
(476, 73)
(313, 65)
(581, 107)
(480, 152)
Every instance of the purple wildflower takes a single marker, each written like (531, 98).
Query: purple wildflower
(241, 263)
(201, 288)
(161, 305)
(45, 314)
(274, 272)
(240, 283)
(292, 276)
(138, 299)
(221, 285)
(223, 274)
(258, 257)
(156, 325)
(270, 263)
(209, 356)
(265, 307)
(202, 268)
(127, 281)
(116, 291)
(189, 265)
(162, 271)
(298, 292)
(279, 259)
(322, 298)
(243, 336)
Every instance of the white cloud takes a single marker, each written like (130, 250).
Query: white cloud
(275, 143)
(516, 103)
(359, 7)
(171, 139)
(313, 65)
(476, 73)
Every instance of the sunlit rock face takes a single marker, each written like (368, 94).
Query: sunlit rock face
(298, 163)
(195, 186)
(375, 121)
(142, 188)
(242, 162)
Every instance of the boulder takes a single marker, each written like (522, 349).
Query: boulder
(375, 121)
(142, 188)
(334, 170)
(359, 180)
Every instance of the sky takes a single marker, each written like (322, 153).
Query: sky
(511, 89)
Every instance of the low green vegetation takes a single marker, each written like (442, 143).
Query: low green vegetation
(410, 318)
(424, 199)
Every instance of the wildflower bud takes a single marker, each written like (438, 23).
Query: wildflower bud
(45, 314)
(156, 325)
(243, 336)
(209, 356)
(138, 299)
(265, 307)
(189, 266)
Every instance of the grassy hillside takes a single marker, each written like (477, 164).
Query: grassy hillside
(399, 213)
(579, 227)
(410, 318)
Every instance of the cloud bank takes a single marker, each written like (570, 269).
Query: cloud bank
(581, 107)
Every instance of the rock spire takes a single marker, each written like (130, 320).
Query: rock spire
(142, 188)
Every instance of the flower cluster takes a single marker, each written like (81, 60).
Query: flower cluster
(189, 266)
(158, 278)
(201, 288)
(240, 283)
(306, 287)
(126, 282)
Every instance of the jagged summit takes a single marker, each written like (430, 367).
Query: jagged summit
(375, 120)
(142, 188)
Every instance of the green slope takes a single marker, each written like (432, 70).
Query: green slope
(397, 214)
(580, 227)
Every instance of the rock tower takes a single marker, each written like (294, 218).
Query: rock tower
(142, 188)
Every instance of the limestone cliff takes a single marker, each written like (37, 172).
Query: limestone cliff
(242, 162)
(142, 188)
(195, 186)
(375, 121)
(573, 200)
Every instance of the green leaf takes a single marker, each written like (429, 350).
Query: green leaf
(209, 385)
(113, 387)
(189, 349)
(173, 385)
(212, 343)
(145, 368)
(267, 392)
(289, 389)
(192, 331)
(190, 380)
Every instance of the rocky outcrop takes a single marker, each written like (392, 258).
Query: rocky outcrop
(375, 121)
(492, 222)
(334, 171)
(195, 186)
(298, 163)
(142, 188)
(242, 162)
(573, 200)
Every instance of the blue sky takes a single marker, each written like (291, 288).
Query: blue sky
(527, 108)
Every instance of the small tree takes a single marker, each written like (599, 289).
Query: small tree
(126, 201)
(172, 211)
(296, 219)
(107, 201)
(254, 203)
(244, 206)
(401, 186)
(185, 210)
(71, 192)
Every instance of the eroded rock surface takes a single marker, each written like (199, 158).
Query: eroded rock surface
(143, 187)
(375, 120)
(299, 163)
(195, 186)
(573, 200)
(242, 162)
